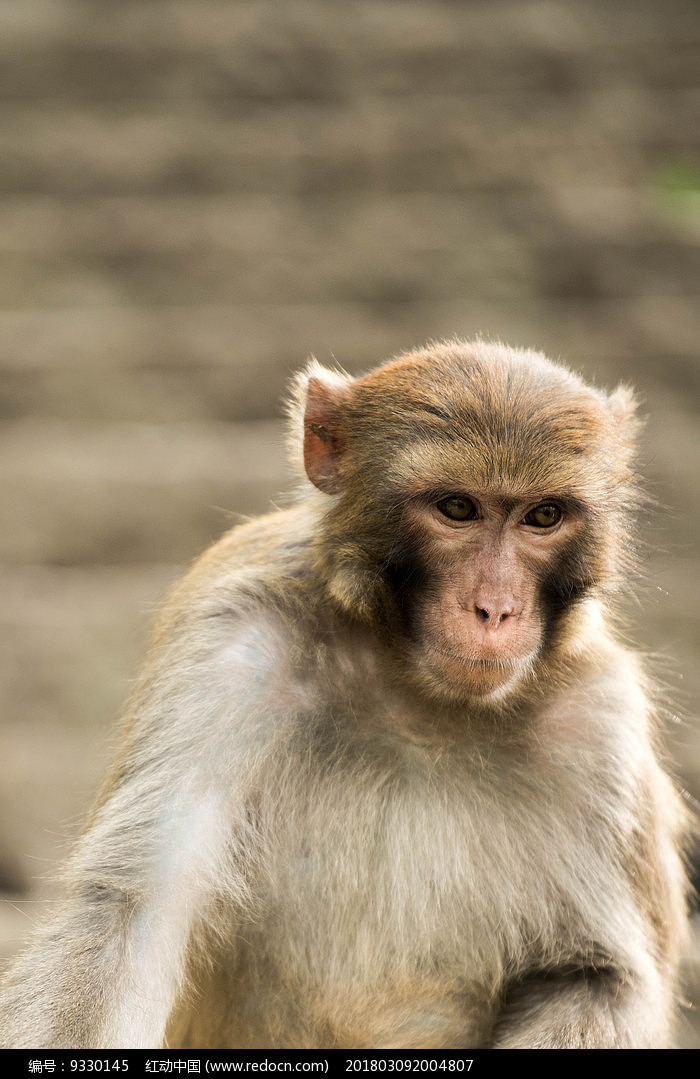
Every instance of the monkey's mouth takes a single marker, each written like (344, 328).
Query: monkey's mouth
(496, 663)
(478, 675)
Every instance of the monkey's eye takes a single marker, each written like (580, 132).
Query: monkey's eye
(457, 508)
(544, 516)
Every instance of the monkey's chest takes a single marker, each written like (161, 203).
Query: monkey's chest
(402, 907)
(367, 940)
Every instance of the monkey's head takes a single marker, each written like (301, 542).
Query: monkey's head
(476, 494)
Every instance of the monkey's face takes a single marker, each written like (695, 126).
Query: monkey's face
(477, 493)
(477, 606)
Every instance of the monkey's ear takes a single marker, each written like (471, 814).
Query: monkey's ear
(319, 399)
(622, 409)
(323, 435)
(622, 405)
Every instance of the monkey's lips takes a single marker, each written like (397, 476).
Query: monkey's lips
(477, 673)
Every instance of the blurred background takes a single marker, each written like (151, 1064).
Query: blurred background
(196, 194)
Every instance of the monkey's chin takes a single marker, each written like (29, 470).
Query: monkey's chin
(490, 679)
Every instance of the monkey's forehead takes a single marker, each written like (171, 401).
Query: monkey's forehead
(513, 399)
(511, 467)
(474, 434)
(481, 415)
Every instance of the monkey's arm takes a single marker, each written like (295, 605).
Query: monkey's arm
(626, 1000)
(106, 972)
(584, 1011)
(170, 827)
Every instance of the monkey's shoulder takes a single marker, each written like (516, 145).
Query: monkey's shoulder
(256, 565)
(601, 701)
(279, 540)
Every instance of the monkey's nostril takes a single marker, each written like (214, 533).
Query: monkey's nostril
(493, 617)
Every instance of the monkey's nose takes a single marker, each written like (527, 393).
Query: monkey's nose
(492, 617)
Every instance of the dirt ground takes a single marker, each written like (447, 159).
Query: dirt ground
(196, 194)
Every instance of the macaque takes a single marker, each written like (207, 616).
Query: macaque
(389, 779)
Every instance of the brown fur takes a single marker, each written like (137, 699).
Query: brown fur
(389, 778)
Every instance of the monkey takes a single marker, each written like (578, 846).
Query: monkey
(390, 778)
